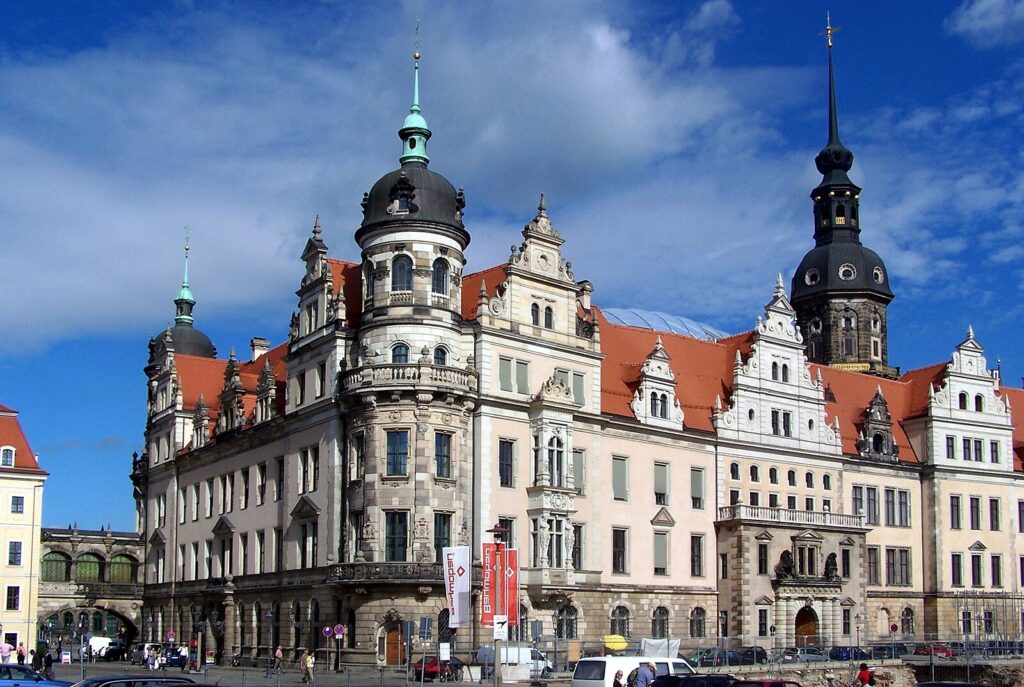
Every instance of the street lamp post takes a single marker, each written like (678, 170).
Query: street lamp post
(270, 642)
(501, 600)
(857, 618)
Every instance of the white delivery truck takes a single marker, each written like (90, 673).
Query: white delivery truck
(516, 654)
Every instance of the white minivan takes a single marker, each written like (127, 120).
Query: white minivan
(599, 671)
(517, 654)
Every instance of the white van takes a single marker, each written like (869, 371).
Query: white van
(95, 647)
(599, 671)
(517, 654)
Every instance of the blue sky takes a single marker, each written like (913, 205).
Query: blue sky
(675, 144)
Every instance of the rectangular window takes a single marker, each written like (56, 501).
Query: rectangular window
(579, 470)
(14, 553)
(17, 504)
(313, 473)
(954, 511)
(762, 559)
(181, 505)
(957, 570)
(762, 622)
(661, 484)
(443, 455)
(300, 388)
(846, 622)
(809, 503)
(872, 504)
(278, 549)
(261, 483)
(243, 501)
(506, 470)
(976, 570)
(577, 547)
(723, 565)
(208, 558)
(619, 479)
(978, 452)
(890, 507)
(773, 500)
(522, 377)
(13, 598)
(358, 466)
(897, 566)
(697, 488)
(994, 451)
(1021, 565)
(996, 561)
(775, 422)
(791, 502)
(661, 553)
(826, 505)
(396, 535)
(844, 564)
(321, 379)
(994, 515)
(195, 560)
(1020, 516)
(619, 550)
(858, 500)
(903, 508)
(505, 374)
(243, 554)
(209, 498)
(697, 555)
(279, 480)
(578, 384)
(873, 565)
(975, 513)
(398, 452)
(967, 448)
(261, 552)
(787, 423)
(754, 498)
(442, 533)
(950, 448)
(734, 497)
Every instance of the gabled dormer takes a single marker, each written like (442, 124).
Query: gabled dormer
(200, 424)
(654, 401)
(875, 440)
(266, 394)
(315, 290)
(775, 399)
(551, 423)
(232, 397)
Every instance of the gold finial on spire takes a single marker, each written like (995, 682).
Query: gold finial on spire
(829, 30)
(416, 43)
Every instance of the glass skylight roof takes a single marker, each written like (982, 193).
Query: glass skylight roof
(663, 322)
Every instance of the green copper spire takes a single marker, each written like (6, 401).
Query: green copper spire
(415, 132)
(185, 301)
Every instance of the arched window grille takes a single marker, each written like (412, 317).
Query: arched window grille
(440, 356)
(659, 623)
(401, 273)
(698, 622)
(439, 279)
(56, 567)
(620, 621)
(565, 622)
(907, 621)
(400, 354)
(89, 568)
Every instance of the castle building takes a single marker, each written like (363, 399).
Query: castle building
(783, 485)
(21, 498)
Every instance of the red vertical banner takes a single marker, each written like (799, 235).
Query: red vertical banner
(491, 564)
(512, 586)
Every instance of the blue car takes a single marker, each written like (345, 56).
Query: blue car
(12, 675)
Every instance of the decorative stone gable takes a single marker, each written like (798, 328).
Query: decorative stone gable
(232, 398)
(875, 440)
(654, 401)
(266, 394)
(200, 424)
(775, 399)
(541, 250)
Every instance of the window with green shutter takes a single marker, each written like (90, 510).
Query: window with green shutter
(661, 553)
(619, 492)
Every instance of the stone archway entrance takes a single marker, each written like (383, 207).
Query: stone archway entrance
(806, 626)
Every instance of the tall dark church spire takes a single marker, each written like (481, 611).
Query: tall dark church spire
(841, 289)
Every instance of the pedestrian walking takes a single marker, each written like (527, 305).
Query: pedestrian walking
(48, 665)
(183, 652)
(21, 653)
(278, 659)
(307, 668)
(35, 660)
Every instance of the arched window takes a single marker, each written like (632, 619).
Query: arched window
(963, 400)
(659, 623)
(368, 279)
(878, 443)
(840, 212)
(400, 354)
(7, 457)
(755, 474)
(439, 279)
(620, 621)
(549, 318)
(809, 480)
(734, 471)
(826, 481)
(979, 403)
(654, 404)
(785, 373)
(664, 406)
(401, 273)
(440, 356)
(444, 631)
(698, 622)
(89, 568)
(122, 569)
(773, 475)
(907, 621)
(775, 372)
(565, 622)
(535, 315)
(97, 622)
(791, 478)
(56, 567)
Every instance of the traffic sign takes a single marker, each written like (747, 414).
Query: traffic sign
(339, 630)
(893, 628)
(328, 631)
(170, 636)
(501, 628)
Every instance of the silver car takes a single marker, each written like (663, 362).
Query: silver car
(795, 654)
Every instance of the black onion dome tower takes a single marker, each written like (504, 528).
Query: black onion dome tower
(841, 288)
(183, 335)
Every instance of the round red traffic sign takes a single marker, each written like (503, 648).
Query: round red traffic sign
(339, 629)
(893, 627)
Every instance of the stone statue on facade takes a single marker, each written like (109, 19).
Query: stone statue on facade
(785, 569)
(831, 568)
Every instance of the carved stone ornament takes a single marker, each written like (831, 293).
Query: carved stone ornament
(555, 389)
(369, 533)
(422, 530)
(463, 534)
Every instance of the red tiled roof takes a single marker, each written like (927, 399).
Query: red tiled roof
(490, 277)
(348, 278)
(920, 380)
(11, 434)
(1015, 397)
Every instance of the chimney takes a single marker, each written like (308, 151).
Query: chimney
(259, 346)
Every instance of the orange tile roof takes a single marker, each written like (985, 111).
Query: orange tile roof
(490, 277)
(11, 434)
(1015, 397)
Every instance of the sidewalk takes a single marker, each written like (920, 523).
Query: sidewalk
(227, 676)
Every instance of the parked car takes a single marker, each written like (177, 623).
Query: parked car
(695, 680)
(172, 656)
(795, 654)
(599, 671)
(115, 651)
(12, 675)
(140, 651)
(889, 650)
(765, 683)
(152, 680)
(848, 653)
(751, 655)
(430, 668)
(934, 649)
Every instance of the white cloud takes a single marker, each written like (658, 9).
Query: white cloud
(988, 23)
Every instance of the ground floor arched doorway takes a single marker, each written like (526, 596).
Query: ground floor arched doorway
(394, 646)
(806, 626)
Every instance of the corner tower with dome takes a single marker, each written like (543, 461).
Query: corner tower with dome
(841, 289)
